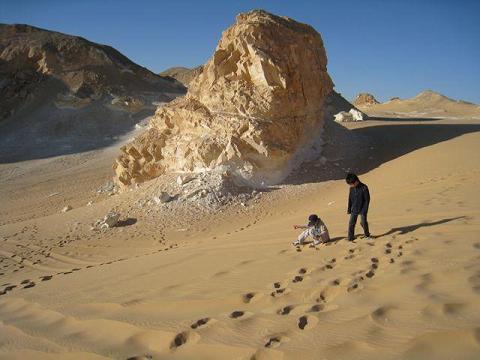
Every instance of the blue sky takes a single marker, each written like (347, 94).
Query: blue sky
(389, 48)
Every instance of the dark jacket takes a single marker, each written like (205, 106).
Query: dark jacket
(358, 199)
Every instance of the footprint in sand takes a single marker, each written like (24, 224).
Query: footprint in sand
(306, 322)
(285, 310)
(46, 277)
(279, 292)
(370, 274)
(200, 323)
(297, 278)
(335, 282)
(237, 314)
(316, 308)
(275, 341)
(474, 281)
(30, 285)
(352, 287)
(248, 297)
(182, 338)
(141, 357)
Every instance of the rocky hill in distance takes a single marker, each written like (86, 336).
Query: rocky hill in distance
(365, 99)
(427, 103)
(182, 74)
(69, 92)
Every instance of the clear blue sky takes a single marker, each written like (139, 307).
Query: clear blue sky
(388, 48)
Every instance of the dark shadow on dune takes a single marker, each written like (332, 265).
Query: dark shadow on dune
(391, 119)
(126, 222)
(401, 230)
(363, 148)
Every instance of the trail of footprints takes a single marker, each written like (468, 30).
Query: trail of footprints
(308, 320)
(280, 288)
(28, 283)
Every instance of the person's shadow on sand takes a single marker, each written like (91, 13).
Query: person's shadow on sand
(407, 229)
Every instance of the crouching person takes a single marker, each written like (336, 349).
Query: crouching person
(316, 228)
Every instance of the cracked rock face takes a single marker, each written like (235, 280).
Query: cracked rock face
(254, 112)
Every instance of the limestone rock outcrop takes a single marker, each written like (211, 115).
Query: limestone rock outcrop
(254, 112)
(350, 116)
(365, 99)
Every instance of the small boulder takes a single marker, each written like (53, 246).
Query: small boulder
(343, 116)
(351, 116)
(110, 220)
(356, 115)
(162, 198)
(66, 208)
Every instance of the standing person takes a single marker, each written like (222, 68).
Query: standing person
(358, 202)
(315, 228)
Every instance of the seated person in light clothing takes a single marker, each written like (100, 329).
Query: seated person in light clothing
(316, 229)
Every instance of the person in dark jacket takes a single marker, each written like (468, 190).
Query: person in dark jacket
(358, 202)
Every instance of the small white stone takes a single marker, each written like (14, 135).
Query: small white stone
(66, 208)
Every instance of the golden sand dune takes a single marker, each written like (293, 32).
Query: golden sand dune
(181, 284)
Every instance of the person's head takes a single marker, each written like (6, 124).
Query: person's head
(352, 179)
(313, 220)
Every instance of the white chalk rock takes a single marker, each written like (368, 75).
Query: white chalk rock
(343, 116)
(351, 116)
(356, 115)
(66, 208)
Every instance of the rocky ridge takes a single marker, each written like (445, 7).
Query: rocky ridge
(58, 88)
(365, 99)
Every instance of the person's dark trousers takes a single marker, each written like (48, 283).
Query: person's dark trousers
(353, 222)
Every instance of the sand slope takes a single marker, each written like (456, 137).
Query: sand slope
(230, 286)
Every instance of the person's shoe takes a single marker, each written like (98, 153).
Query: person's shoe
(316, 243)
(368, 238)
(296, 243)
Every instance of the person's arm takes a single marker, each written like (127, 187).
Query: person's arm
(349, 208)
(366, 200)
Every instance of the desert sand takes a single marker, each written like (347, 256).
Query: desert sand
(195, 266)
(182, 284)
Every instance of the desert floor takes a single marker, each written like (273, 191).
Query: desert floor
(181, 284)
